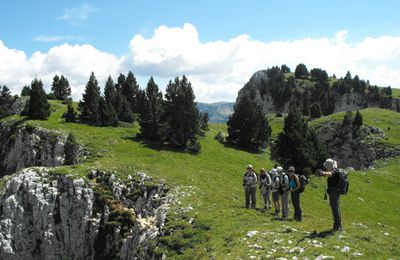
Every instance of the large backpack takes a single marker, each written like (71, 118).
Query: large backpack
(303, 182)
(343, 184)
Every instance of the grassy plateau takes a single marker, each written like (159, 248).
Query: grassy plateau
(217, 224)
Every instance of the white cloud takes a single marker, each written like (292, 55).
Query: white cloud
(77, 15)
(217, 69)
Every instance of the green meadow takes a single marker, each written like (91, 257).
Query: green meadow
(216, 224)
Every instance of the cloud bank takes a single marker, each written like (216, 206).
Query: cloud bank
(217, 69)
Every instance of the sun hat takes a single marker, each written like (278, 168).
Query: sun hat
(291, 169)
(330, 164)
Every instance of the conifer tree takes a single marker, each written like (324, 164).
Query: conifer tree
(110, 92)
(71, 149)
(60, 87)
(39, 108)
(6, 100)
(348, 119)
(298, 145)
(89, 105)
(315, 111)
(358, 121)
(181, 115)
(70, 116)
(125, 113)
(107, 115)
(301, 71)
(130, 90)
(248, 127)
(151, 112)
(26, 91)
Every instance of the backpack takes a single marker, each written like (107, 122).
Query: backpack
(343, 184)
(303, 182)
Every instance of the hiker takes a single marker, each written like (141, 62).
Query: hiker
(333, 180)
(294, 184)
(275, 190)
(283, 191)
(250, 186)
(265, 188)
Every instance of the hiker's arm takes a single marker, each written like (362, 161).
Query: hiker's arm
(325, 174)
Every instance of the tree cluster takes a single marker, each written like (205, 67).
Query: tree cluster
(60, 87)
(298, 145)
(248, 127)
(174, 120)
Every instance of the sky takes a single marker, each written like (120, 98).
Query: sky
(218, 45)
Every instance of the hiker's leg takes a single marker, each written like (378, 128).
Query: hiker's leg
(334, 202)
(253, 197)
(247, 196)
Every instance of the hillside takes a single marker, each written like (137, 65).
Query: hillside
(275, 90)
(217, 112)
(210, 220)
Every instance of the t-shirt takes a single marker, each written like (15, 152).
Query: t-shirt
(333, 181)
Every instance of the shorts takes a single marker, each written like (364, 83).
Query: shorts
(275, 196)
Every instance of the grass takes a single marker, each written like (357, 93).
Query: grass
(220, 222)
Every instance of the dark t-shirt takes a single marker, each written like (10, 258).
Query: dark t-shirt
(333, 181)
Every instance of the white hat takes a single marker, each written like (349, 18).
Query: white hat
(279, 169)
(273, 172)
(330, 164)
(249, 166)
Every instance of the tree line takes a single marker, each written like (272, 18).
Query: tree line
(171, 119)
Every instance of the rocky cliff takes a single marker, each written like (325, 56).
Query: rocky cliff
(357, 149)
(45, 215)
(24, 145)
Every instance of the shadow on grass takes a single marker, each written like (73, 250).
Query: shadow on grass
(315, 234)
(237, 147)
(158, 146)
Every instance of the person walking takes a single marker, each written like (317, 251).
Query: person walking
(250, 187)
(275, 190)
(265, 188)
(284, 192)
(334, 196)
(294, 185)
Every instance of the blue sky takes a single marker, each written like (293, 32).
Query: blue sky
(110, 26)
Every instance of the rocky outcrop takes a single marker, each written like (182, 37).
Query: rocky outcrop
(46, 215)
(24, 145)
(259, 89)
(356, 149)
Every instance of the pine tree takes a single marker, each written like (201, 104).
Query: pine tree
(110, 92)
(39, 108)
(26, 91)
(181, 115)
(348, 119)
(130, 90)
(301, 71)
(151, 112)
(358, 121)
(248, 127)
(6, 100)
(89, 105)
(61, 88)
(204, 121)
(125, 113)
(107, 115)
(297, 145)
(315, 111)
(71, 149)
(70, 116)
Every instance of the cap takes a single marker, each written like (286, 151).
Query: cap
(279, 169)
(291, 169)
(330, 164)
(249, 166)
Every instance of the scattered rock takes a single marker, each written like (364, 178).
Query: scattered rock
(357, 254)
(251, 233)
(345, 249)
(321, 257)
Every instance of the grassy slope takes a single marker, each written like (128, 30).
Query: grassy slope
(215, 175)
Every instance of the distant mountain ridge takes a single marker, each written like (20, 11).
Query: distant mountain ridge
(218, 112)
